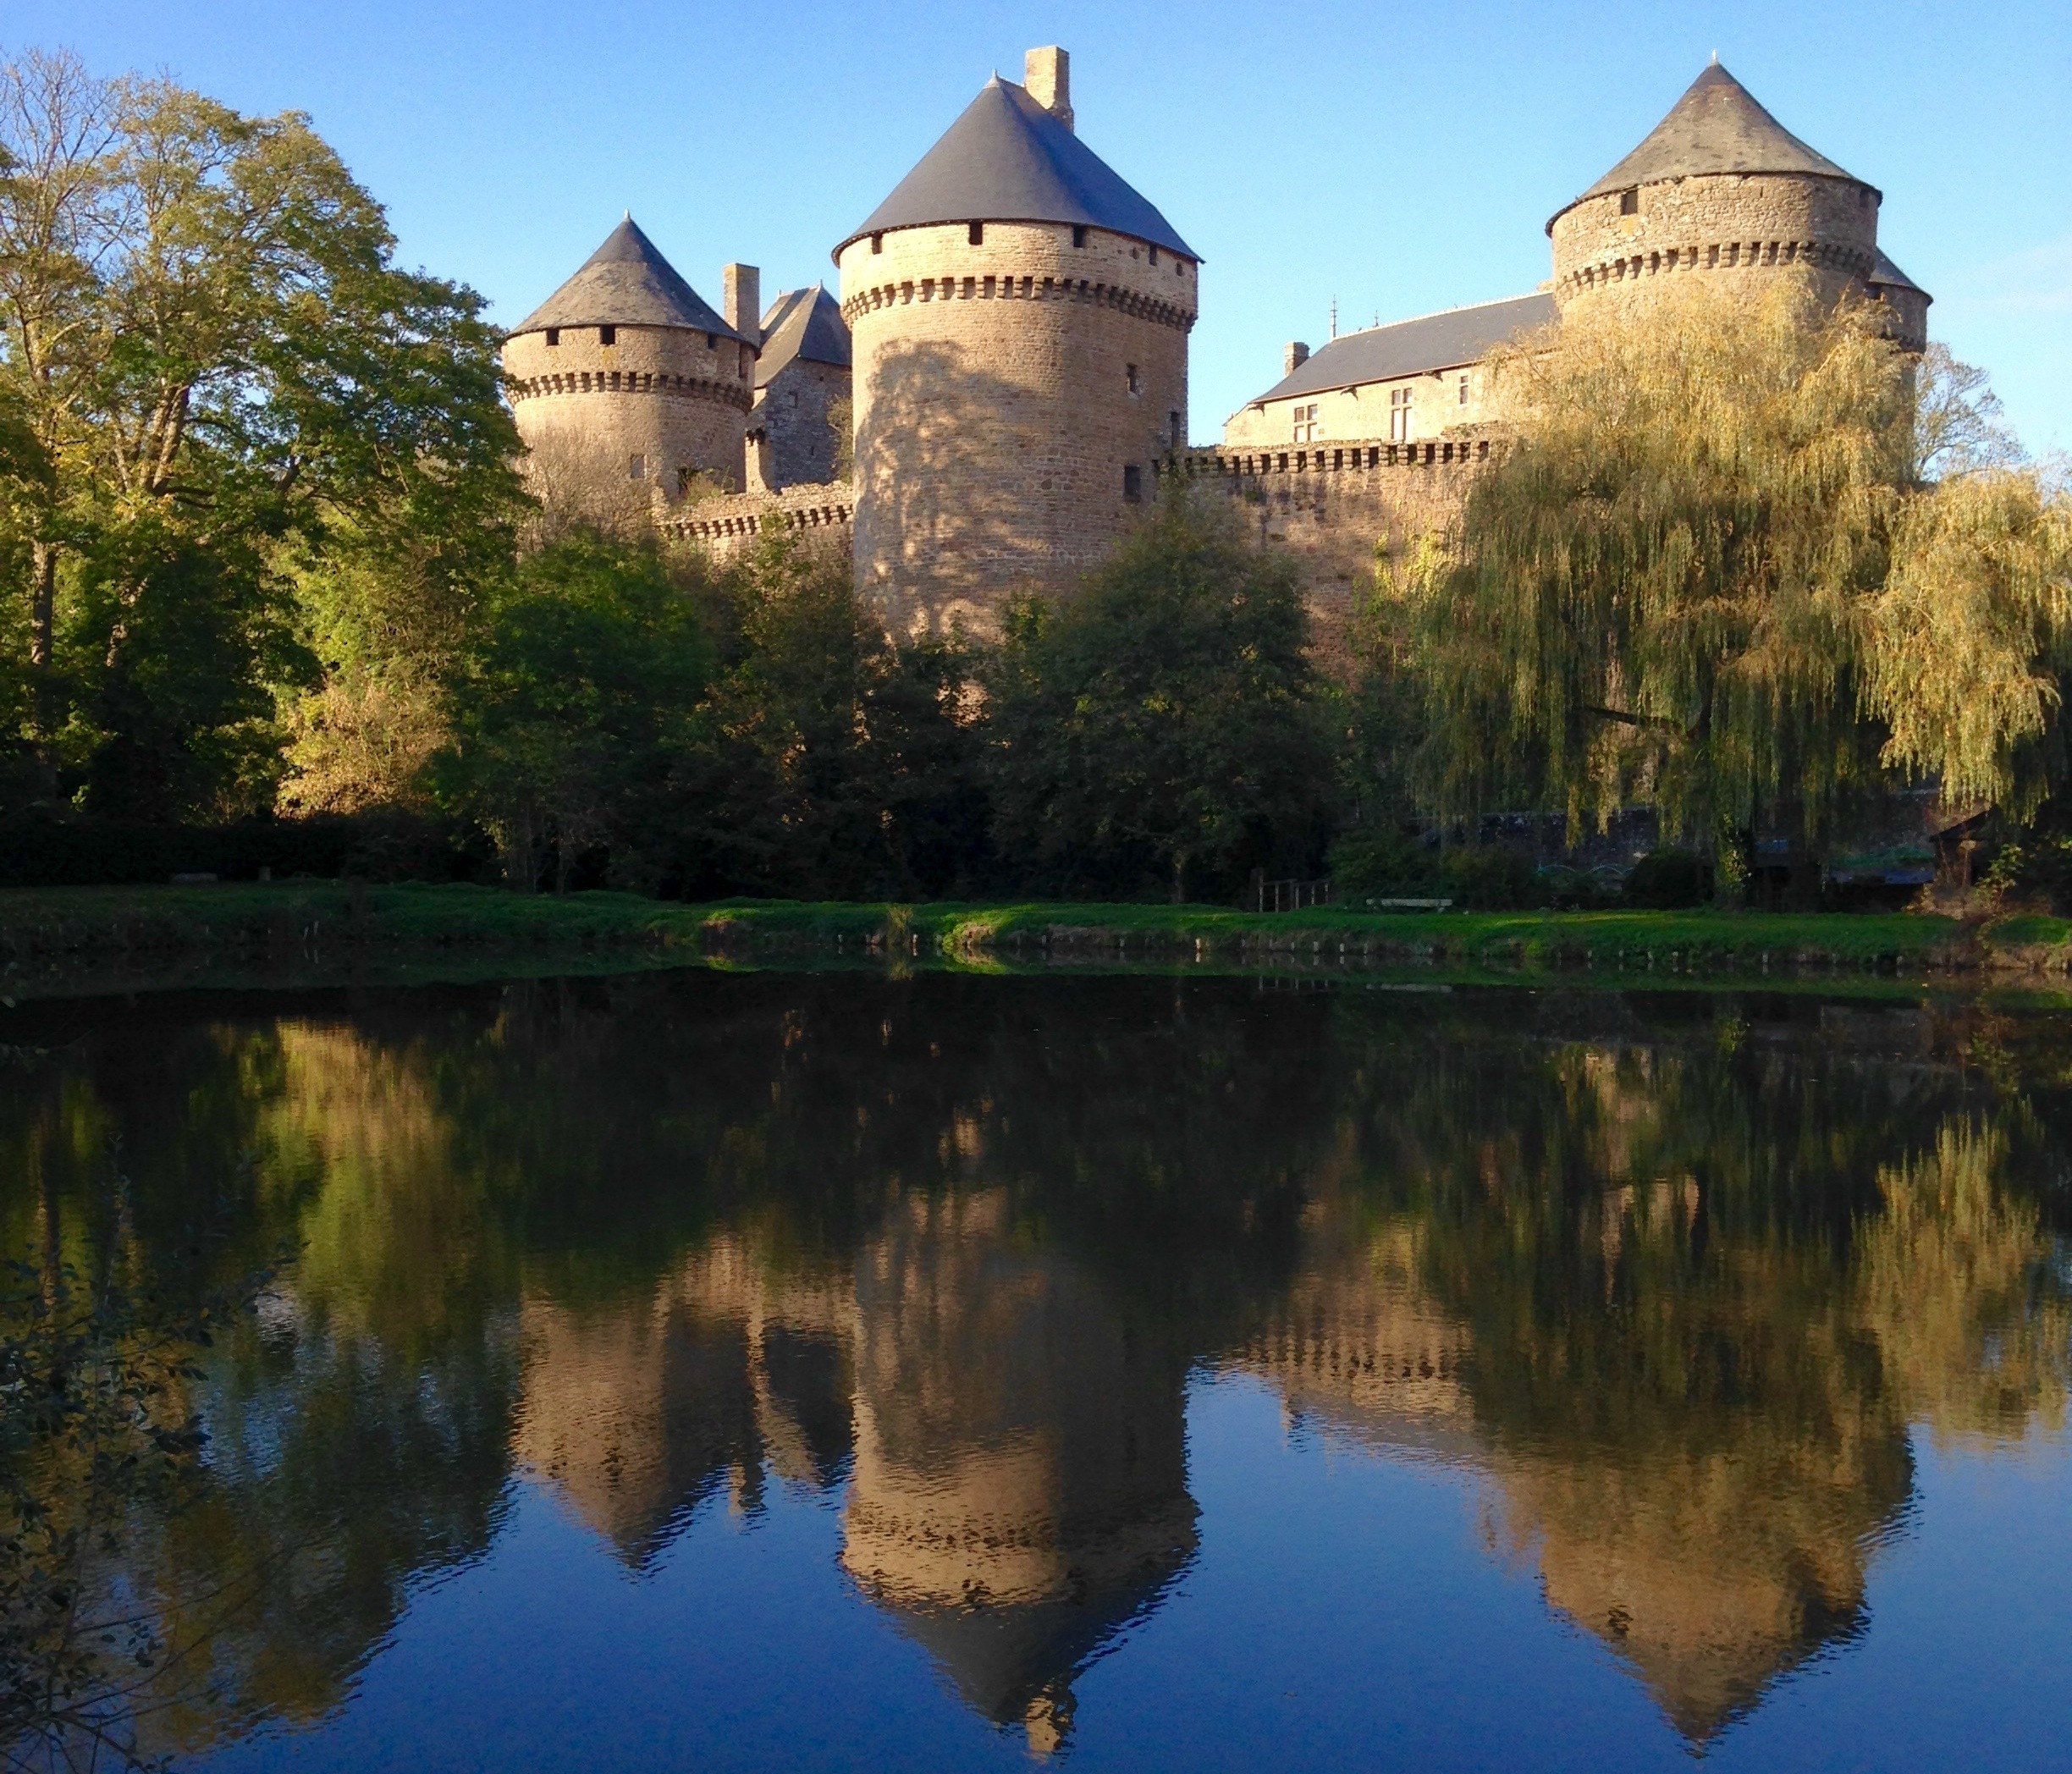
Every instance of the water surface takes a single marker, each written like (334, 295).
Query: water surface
(841, 1371)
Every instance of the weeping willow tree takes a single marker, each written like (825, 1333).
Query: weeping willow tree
(1712, 574)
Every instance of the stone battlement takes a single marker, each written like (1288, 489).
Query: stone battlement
(1029, 289)
(728, 525)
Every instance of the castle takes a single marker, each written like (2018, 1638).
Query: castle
(1006, 374)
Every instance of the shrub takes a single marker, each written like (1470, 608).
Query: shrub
(1669, 880)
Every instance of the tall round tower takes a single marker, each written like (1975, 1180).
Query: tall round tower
(1720, 187)
(626, 387)
(1020, 320)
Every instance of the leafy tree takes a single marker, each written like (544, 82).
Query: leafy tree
(1709, 575)
(235, 391)
(575, 704)
(1165, 726)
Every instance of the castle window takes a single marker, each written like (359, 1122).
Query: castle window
(1130, 372)
(1305, 424)
(608, 335)
(1132, 484)
(1629, 200)
(1464, 391)
(711, 341)
(1399, 415)
(1176, 427)
(877, 243)
(553, 335)
(636, 468)
(1079, 234)
(1153, 255)
(977, 234)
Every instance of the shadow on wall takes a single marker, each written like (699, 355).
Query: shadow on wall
(953, 513)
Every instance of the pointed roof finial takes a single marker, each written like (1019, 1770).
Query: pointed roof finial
(1715, 58)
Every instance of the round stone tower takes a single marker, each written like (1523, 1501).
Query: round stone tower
(1720, 187)
(1020, 320)
(627, 388)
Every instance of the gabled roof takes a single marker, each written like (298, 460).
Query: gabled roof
(1417, 347)
(1007, 159)
(1716, 127)
(802, 323)
(626, 283)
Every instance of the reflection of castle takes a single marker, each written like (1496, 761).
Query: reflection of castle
(1018, 1481)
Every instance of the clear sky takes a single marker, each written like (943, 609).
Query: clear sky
(1400, 159)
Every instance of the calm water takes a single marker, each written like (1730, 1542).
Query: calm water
(831, 1371)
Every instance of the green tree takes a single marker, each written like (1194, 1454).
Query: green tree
(1165, 726)
(232, 383)
(1710, 573)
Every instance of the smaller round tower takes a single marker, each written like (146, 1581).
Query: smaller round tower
(1720, 188)
(628, 390)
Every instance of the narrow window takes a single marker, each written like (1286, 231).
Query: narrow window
(683, 480)
(977, 234)
(1464, 391)
(877, 243)
(1135, 387)
(1176, 428)
(553, 335)
(711, 341)
(608, 335)
(1399, 416)
(1154, 254)
(1132, 484)
(1629, 200)
(1079, 234)
(636, 468)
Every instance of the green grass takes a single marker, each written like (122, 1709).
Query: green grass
(45, 928)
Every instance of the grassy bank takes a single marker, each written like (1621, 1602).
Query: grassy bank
(43, 931)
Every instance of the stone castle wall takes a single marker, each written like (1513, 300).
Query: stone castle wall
(671, 403)
(823, 516)
(1746, 223)
(791, 441)
(1013, 398)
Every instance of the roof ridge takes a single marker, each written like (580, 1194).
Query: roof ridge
(1409, 320)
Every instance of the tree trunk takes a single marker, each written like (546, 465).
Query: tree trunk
(42, 624)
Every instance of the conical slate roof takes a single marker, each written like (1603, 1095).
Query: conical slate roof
(1007, 159)
(1883, 270)
(802, 323)
(626, 283)
(1716, 127)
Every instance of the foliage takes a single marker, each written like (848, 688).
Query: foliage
(1669, 880)
(1707, 577)
(1165, 726)
(234, 396)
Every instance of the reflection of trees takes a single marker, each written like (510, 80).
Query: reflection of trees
(1680, 1280)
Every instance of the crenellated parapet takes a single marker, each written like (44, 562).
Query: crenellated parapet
(1029, 286)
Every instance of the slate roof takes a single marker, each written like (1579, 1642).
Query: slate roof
(1007, 159)
(1413, 347)
(1716, 127)
(802, 323)
(626, 283)
(1883, 270)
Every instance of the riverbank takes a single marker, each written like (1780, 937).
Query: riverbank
(48, 932)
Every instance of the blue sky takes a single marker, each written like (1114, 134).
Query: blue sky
(1399, 158)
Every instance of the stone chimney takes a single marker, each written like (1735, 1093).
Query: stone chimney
(741, 300)
(1293, 356)
(1047, 74)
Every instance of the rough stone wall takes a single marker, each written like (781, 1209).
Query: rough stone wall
(1001, 391)
(1752, 224)
(676, 400)
(1333, 507)
(794, 443)
(725, 528)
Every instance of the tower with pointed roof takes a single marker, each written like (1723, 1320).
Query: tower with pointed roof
(1019, 318)
(1719, 187)
(628, 388)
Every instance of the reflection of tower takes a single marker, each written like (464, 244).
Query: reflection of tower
(637, 1414)
(1720, 188)
(1021, 1470)
(1021, 319)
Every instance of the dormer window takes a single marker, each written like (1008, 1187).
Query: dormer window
(977, 234)
(553, 335)
(1079, 234)
(1629, 200)
(608, 335)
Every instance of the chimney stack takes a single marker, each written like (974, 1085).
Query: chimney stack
(741, 300)
(1294, 358)
(1047, 74)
